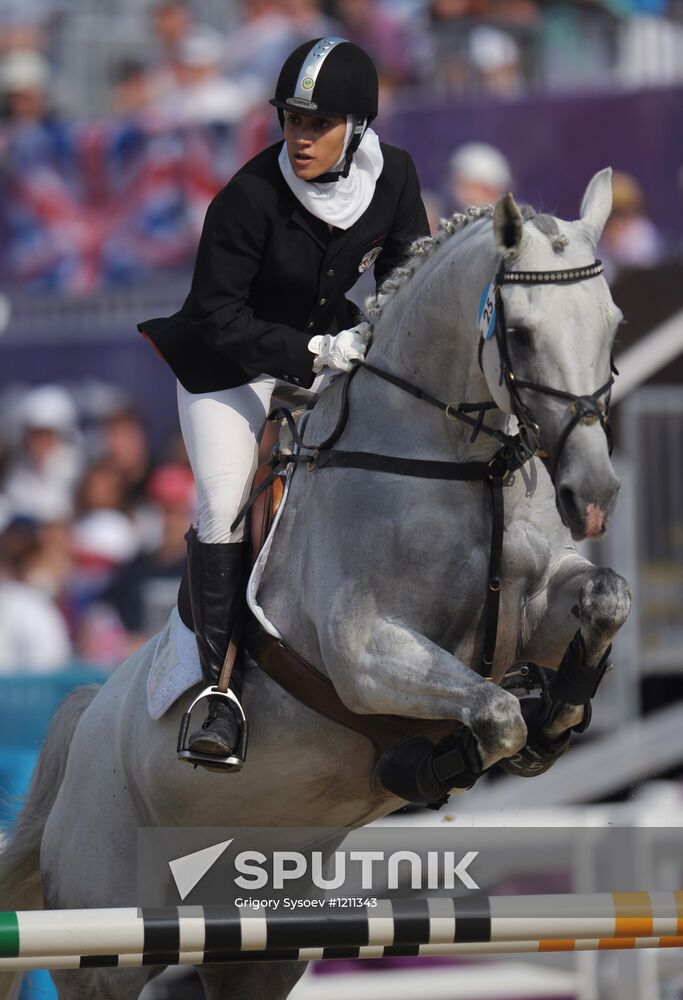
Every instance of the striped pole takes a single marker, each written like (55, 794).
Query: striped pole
(133, 961)
(197, 935)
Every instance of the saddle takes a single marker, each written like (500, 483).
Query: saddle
(284, 665)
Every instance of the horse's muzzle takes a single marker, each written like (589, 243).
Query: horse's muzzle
(585, 518)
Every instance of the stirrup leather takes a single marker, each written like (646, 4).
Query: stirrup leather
(232, 762)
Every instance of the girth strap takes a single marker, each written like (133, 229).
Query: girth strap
(315, 691)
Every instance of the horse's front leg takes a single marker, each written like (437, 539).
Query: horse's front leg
(384, 667)
(570, 627)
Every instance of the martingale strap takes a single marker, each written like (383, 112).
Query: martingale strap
(495, 472)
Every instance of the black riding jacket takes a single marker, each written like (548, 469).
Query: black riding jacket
(269, 275)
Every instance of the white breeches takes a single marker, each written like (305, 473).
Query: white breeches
(221, 431)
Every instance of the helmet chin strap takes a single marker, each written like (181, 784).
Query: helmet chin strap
(355, 130)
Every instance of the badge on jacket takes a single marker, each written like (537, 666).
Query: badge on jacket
(369, 258)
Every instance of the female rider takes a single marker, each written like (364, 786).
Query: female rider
(281, 245)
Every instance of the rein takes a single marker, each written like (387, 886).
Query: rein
(514, 452)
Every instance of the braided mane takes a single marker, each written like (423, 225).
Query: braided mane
(419, 252)
(424, 247)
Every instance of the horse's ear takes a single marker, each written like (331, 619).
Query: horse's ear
(596, 205)
(507, 223)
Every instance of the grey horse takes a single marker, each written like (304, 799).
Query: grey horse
(377, 579)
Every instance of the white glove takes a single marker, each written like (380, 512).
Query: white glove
(341, 350)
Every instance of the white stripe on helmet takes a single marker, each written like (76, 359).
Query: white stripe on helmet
(311, 67)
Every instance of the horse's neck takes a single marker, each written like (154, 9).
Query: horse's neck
(429, 338)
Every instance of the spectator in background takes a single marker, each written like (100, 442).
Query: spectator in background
(387, 38)
(308, 21)
(102, 541)
(41, 477)
(255, 51)
(103, 486)
(173, 27)
(201, 94)
(131, 89)
(478, 175)
(47, 565)
(24, 84)
(630, 238)
(145, 589)
(480, 45)
(122, 441)
(33, 634)
(495, 62)
(450, 23)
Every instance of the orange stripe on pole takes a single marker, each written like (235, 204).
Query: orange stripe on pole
(671, 942)
(568, 944)
(616, 944)
(634, 914)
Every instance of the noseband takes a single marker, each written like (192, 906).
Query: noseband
(584, 408)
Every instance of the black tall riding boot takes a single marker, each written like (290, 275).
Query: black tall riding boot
(216, 578)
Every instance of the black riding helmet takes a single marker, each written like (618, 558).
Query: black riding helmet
(329, 77)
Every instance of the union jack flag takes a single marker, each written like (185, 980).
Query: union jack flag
(87, 206)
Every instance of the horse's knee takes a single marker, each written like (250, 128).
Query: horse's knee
(496, 721)
(604, 603)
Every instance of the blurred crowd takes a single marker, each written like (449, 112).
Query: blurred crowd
(92, 527)
(181, 62)
(180, 94)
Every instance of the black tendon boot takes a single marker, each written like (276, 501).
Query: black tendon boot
(417, 771)
(216, 577)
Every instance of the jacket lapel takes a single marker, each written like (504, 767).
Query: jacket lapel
(339, 238)
(314, 227)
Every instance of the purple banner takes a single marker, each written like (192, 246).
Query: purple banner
(556, 143)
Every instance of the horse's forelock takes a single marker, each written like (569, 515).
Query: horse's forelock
(546, 224)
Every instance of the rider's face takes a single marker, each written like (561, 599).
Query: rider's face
(313, 144)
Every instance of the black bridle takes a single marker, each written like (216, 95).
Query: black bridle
(514, 452)
(585, 408)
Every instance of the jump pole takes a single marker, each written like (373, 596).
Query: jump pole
(420, 926)
(137, 960)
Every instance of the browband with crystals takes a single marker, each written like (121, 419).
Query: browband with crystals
(550, 277)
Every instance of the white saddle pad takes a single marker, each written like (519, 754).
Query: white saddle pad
(260, 565)
(175, 665)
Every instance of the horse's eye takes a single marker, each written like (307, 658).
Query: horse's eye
(520, 334)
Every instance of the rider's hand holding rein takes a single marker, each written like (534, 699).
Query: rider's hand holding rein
(342, 351)
(281, 246)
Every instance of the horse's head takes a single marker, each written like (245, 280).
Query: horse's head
(547, 354)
